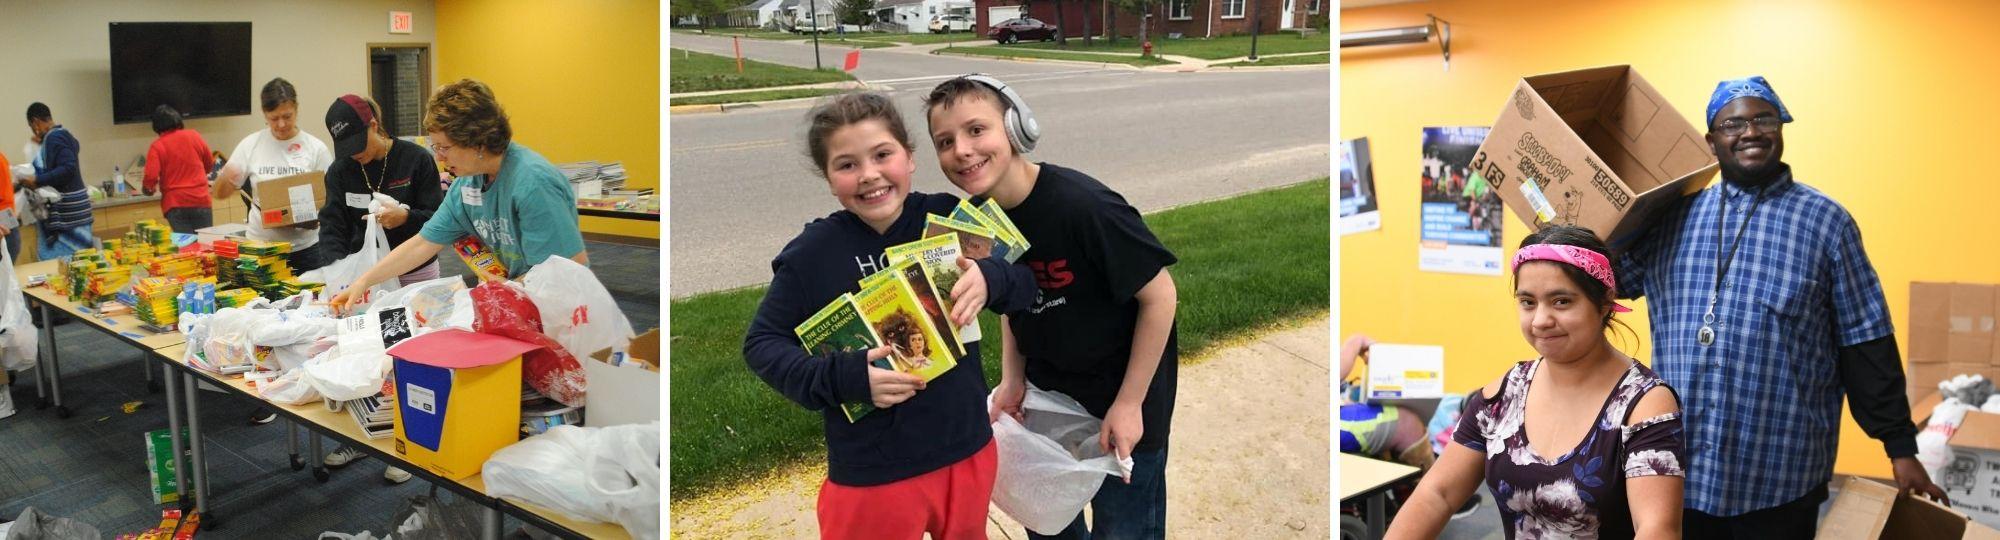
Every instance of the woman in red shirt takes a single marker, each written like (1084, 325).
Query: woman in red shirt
(177, 165)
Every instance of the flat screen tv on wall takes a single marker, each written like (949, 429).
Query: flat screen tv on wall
(202, 69)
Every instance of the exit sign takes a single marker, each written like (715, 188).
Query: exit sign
(400, 22)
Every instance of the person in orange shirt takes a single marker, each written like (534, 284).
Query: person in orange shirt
(10, 220)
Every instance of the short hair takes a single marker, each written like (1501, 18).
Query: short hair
(38, 111)
(468, 113)
(949, 92)
(166, 119)
(846, 110)
(277, 93)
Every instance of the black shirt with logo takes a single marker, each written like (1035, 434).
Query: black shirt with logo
(408, 174)
(1091, 253)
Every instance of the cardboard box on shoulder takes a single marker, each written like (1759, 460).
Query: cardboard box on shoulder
(1597, 148)
(292, 201)
(1869, 510)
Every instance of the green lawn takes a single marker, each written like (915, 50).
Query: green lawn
(1246, 263)
(760, 95)
(697, 72)
(926, 39)
(754, 33)
(1015, 51)
(1300, 60)
(1206, 49)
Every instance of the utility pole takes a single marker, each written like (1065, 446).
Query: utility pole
(814, 9)
(1256, 25)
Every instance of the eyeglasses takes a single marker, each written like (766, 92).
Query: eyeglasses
(1735, 126)
(439, 148)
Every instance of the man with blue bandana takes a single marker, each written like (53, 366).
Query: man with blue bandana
(1765, 312)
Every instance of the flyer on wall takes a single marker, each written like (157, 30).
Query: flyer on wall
(1359, 209)
(1461, 212)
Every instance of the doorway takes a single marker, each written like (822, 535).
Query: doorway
(399, 80)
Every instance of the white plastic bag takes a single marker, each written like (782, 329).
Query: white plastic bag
(229, 332)
(618, 483)
(1050, 467)
(428, 303)
(18, 340)
(338, 275)
(577, 311)
(289, 388)
(355, 367)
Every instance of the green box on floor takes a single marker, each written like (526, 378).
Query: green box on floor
(160, 465)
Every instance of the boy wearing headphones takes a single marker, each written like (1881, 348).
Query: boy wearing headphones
(1102, 330)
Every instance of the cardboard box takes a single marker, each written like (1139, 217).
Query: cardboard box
(1952, 332)
(458, 399)
(1598, 148)
(162, 479)
(624, 394)
(1404, 372)
(1930, 321)
(1870, 510)
(1972, 480)
(292, 201)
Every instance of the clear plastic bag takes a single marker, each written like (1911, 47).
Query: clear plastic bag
(1051, 466)
(18, 338)
(619, 481)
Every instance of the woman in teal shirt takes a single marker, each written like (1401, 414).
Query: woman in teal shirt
(506, 196)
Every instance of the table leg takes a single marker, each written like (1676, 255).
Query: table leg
(292, 444)
(55, 363)
(42, 372)
(1376, 526)
(489, 523)
(318, 460)
(145, 361)
(194, 438)
(174, 430)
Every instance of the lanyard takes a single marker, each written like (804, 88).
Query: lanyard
(1706, 336)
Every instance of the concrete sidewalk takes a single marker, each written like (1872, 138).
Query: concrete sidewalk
(1250, 455)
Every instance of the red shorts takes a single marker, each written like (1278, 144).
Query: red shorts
(949, 503)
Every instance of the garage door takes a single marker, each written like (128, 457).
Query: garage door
(999, 14)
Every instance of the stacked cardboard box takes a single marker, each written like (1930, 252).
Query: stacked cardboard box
(1951, 333)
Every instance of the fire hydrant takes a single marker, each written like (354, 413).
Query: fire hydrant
(1146, 48)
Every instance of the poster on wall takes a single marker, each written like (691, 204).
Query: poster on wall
(1359, 209)
(1461, 212)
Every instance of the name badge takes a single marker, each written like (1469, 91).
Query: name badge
(359, 200)
(472, 196)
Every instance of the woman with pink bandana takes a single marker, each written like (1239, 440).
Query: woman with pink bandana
(1583, 442)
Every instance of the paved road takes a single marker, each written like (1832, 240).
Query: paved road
(742, 185)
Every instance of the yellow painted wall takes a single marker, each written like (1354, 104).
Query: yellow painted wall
(1893, 110)
(580, 80)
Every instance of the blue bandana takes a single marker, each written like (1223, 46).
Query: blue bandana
(1755, 86)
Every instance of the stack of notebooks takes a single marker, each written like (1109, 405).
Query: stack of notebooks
(237, 297)
(180, 265)
(905, 306)
(374, 415)
(262, 266)
(155, 304)
(225, 263)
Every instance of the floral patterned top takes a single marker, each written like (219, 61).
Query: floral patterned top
(1582, 493)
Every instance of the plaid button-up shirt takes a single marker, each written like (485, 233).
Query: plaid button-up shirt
(1762, 404)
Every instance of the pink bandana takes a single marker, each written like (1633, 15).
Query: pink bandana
(1591, 262)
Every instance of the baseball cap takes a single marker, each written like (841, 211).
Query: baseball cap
(347, 121)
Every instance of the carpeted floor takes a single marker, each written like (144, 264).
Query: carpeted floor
(91, 466)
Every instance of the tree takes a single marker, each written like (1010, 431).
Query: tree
(1061, 40)
(705, 11)
(855, 12)
(1140, 7)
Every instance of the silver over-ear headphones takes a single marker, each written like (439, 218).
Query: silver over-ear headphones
(1022, 130)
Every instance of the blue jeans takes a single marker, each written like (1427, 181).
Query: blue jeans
(59, 243)
(1122, 511)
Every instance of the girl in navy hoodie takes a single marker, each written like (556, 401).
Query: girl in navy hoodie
(924, 462)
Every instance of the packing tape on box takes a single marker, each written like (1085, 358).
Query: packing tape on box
(1544, 212)
(1961, 325)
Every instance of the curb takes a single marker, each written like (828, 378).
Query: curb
(1115, 65)
(726, 107)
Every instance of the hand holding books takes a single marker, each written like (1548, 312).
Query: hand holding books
(888, 387)
(968, 296)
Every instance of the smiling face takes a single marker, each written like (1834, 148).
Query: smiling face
(971, 142)
(1557, 318)
(869, 171)
(1751, 155)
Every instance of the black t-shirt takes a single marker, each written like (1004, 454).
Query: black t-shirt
(408, 174)
(1091, 253)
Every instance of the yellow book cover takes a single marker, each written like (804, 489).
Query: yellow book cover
(895, 312)
(1005, 245)
(974, 241)
(999, 217)
(839, 328)
(939, 257)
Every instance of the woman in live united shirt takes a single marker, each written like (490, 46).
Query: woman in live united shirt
(277, 151)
